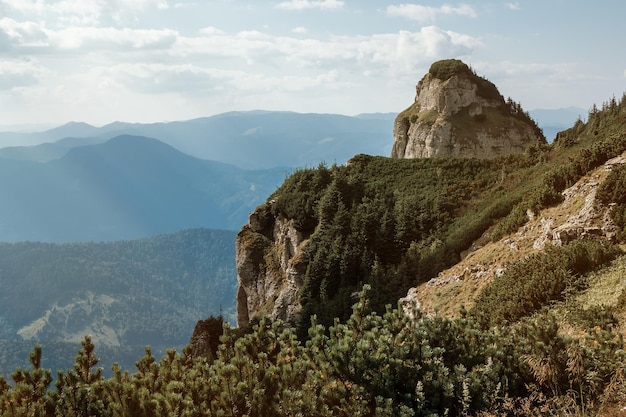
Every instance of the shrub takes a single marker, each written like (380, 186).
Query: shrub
(613, 190)
(534, 282)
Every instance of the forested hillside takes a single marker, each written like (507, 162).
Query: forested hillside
(374, 228)
(125, 294)
(396, 223)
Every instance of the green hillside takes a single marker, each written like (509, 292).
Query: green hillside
(545, 338)
(411, 219)
(125, 294)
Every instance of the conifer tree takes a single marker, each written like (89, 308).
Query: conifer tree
(80, 391)
(29, 395)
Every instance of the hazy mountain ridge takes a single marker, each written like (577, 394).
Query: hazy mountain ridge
(127, 187)
(250, 140)
(219, 137)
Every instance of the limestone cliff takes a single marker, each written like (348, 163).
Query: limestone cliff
(270, 263)
(456, 113)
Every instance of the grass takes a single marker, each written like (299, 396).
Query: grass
(605, 286)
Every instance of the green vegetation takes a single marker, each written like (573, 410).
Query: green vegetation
(538, 341)
(447, 68)
(126, 294)
(535, 282)
(370, 365)
(396, 223)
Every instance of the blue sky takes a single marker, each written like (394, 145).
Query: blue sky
(100, 61)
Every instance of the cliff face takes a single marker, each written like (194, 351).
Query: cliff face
(270, 263)
(456, 113)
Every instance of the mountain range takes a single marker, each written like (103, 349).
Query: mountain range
(125, 188)
(249, 140)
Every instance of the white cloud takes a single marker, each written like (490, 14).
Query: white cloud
(378, 53)
(514, 6)
(30, 37)
(425, 14)
(80, 66)
(19, 73)
(96, 39)
(21, 34)
(310, 4)
(210, 30)
(83, 12)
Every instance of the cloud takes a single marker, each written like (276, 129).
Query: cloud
(514, 6)
(99, 38)
(376, 54)
(391, 53)
(423, 14)
(301, 30)
(15, 34)
(164, 78)
(194, 80)
(23, 38)
(83, 12)
(19, 73)
(310, 4)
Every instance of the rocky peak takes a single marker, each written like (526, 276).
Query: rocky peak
(457, 113)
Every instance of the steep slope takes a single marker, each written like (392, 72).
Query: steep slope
(578, 216)
(396, 223)
(456, 113)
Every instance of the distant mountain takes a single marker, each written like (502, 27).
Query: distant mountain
(250, 140)
(46, 151)
(380, 116)
(125, 294)
(553, 121)
(125, 188)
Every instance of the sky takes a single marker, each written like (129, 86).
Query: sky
(100, 61)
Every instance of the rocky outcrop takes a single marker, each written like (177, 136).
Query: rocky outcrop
(270, 267)
(206, 338)
(458, 114)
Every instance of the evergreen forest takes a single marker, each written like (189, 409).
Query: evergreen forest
(526, 346)
(125, 294)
